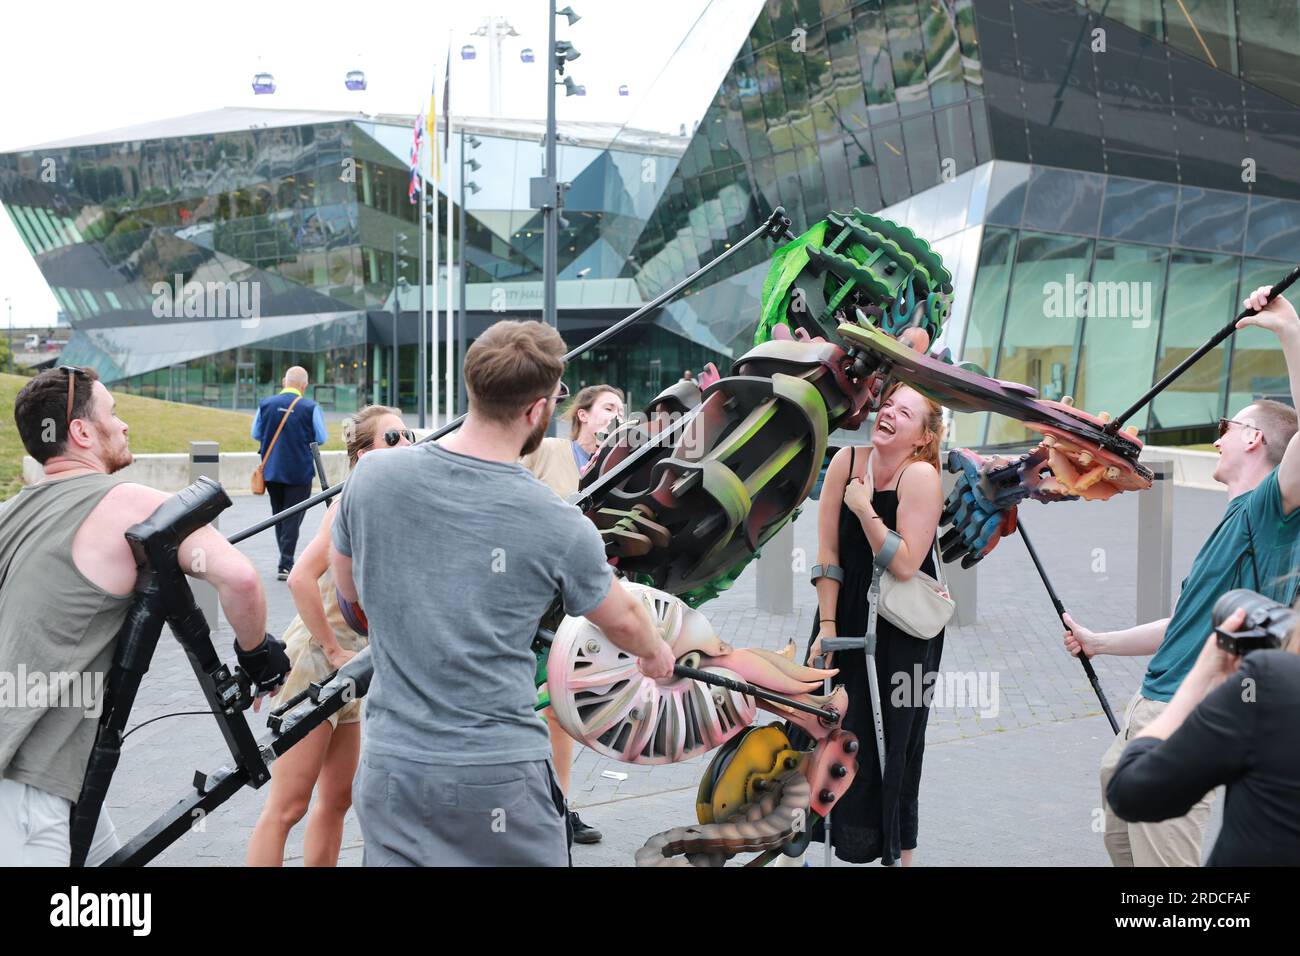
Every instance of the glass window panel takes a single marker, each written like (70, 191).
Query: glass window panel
(970, 48)
(1058, 84)
(847, 104)
(765, 180)
(1038, 349)
(1273, 229)
(33, 238)
(769, 78)
(720, 154)
(835, 171)
(1258, 364)
(1121, 328)
(942, 53)
(782, 14)
(819, 71)
(980, 127)
(955, 140)
(1206, 29)
(1001, 84)
(1208, 219)
(1198, 300)
(1210, 139)
(903, 27)
(876, 65)
(790, 190)
(1143, 212)
(733, 121)
(863, 175)
(1274, 131)
(1141, 15)
(922, 151)
(984, 325)
(814, 191)
(1137, 118)
(1270, 36)
(794, 84)
(751, 109)
(1006, 196)
(1063, 201)
(891, 164)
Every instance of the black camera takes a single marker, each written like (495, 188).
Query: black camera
(1266, 627)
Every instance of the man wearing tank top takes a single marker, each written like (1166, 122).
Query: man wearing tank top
(66, 582)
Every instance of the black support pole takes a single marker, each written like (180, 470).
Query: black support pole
(1060, 612)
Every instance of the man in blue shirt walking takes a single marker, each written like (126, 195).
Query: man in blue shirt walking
(1255, 546)
(289, 468)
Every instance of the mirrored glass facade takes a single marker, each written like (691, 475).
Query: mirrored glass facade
(1106, 179)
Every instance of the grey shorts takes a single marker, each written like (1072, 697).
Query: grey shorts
(417, 814)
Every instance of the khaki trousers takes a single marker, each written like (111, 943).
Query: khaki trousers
(1174, 842)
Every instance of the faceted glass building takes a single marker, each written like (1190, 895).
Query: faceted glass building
(1105, 179)
(198, 258)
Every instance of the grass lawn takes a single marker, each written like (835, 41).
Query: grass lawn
(156, 426)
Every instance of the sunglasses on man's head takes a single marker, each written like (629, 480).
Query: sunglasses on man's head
(1225, 423)
(394, 435)
(73, 371)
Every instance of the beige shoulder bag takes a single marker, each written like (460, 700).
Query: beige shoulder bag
(257, 483)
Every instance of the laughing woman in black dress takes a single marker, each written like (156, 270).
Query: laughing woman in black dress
(875, 819)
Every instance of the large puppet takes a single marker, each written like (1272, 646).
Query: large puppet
(687, 493)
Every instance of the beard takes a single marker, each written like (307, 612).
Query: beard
(534, 440)
(116, 454)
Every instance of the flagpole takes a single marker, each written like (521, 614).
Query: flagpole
(432, 326)
(424, 356)
(451, 241)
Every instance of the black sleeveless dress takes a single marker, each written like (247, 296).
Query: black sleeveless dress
(874, 819)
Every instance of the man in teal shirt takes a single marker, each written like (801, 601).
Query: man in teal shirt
(1256, 545)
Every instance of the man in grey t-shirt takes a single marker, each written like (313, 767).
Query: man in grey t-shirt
(456, 552)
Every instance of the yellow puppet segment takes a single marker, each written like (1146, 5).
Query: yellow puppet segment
(751, 769)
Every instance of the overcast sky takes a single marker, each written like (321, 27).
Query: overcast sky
(88, 65)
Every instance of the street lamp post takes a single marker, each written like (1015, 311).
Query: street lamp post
(557, 54)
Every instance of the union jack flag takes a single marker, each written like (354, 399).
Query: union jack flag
(417, 142)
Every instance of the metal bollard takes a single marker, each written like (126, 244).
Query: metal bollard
(1155, 564)
(963, 583)
(205, 462)
(775, 583)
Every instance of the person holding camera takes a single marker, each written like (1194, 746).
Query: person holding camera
(1254, 545)
(1234, 721)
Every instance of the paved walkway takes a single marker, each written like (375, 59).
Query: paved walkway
(1013, 788)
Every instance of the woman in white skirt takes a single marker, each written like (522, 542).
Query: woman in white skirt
(322, 638)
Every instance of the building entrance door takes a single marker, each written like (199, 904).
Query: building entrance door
(245, 385)
(176, 383)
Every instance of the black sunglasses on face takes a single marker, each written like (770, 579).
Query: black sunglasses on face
(560, 396)
(394, 435)
(1225, 423)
